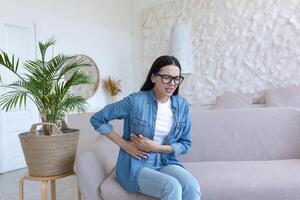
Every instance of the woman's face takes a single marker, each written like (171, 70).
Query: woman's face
(165, 89)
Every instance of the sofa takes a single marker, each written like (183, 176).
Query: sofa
(236, 154)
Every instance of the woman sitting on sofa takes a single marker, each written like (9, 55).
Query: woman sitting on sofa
(156, 130)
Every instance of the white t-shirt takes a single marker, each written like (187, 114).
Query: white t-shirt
(164, 121)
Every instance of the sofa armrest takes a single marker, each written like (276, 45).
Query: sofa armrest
(93, 165)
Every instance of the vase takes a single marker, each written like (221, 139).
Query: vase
(113, 99)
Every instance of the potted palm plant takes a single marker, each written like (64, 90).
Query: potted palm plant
(52, 149)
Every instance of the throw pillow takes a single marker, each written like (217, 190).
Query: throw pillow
(234, 100)
(286, 96)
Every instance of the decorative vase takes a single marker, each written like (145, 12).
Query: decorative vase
(113, 99)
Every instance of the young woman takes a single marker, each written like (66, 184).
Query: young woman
(156, 129)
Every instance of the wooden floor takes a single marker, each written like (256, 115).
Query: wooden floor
(66, 188)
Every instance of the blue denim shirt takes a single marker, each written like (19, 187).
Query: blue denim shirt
(139, 112)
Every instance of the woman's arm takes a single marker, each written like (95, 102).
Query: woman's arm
(147, 145)
(182, 145)
(164, 149)
(118, 110)
(128, 146)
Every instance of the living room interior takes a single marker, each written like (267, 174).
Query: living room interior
(244, 64)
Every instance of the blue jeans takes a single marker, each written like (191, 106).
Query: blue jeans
(171, 182)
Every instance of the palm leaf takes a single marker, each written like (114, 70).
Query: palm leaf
(74, 103)
(44, 46)
(21, 86)
(10, 63)
(81, 62)
(56, 64)
(77, 78)
(11, 99)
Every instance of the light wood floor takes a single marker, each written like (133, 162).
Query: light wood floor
(66, 188)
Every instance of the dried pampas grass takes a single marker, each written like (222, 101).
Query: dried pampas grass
(112, 86)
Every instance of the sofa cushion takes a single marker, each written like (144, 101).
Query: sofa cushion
(231, 180)
(248, 180)
(286, 96)
(234, 100)
(111, 189)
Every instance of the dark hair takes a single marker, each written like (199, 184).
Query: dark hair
(160, 62)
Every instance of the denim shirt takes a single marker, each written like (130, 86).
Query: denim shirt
(139, 112)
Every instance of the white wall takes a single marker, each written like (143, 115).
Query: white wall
(140, 70)
(237, 45)
(100, 29)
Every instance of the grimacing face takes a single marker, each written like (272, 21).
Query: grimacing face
(165, 90)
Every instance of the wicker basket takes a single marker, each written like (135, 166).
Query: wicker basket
(49, 155)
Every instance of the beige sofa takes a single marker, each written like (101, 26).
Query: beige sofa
(237, 154)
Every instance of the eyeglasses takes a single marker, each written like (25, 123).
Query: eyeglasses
(166, 79)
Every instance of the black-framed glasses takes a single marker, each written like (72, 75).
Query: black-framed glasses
(166, 79)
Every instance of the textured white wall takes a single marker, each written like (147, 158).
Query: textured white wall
(238, 45)
(139, 69)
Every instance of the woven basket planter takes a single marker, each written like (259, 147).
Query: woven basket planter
(49, 155)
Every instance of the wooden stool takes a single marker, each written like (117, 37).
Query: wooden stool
(44, 184)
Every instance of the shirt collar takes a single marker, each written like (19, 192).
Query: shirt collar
(153, 99)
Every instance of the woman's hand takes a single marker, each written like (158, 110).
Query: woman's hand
(130, 148)
(143, 143)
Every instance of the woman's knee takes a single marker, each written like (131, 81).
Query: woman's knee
(173, 188)
(191, 189)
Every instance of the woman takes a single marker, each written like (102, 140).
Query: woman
(156, 130)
